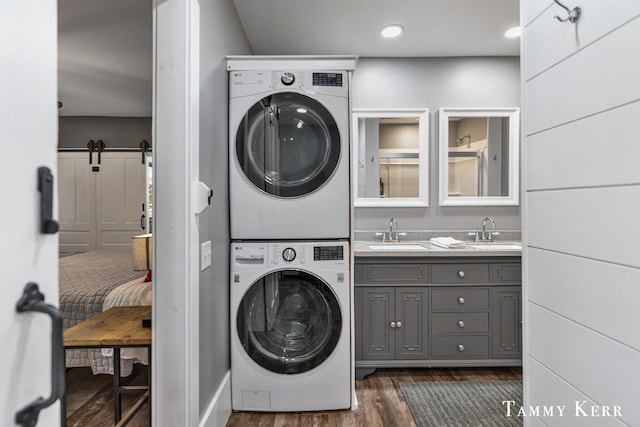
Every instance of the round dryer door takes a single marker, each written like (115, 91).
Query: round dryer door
(288, 145)
(289, 322)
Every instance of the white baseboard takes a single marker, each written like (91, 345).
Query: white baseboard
(219, 409)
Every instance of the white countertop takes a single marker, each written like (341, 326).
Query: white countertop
(410, 248)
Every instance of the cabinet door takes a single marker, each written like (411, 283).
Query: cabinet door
(507, 329)
(120, 199)
(411, 323)
(76, 203)
(378, 337)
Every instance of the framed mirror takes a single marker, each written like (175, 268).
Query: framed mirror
(479, 156)
(390, 157)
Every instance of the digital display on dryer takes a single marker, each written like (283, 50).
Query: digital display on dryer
(327, 79)
(328, 253)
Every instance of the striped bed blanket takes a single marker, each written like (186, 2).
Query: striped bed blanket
(85, 282)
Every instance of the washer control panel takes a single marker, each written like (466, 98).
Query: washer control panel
(288, 254)
(328, 253)
(288, 78)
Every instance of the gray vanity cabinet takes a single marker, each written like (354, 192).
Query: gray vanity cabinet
(507, 310)
(437, 312)
(460, 322)
(506, 323)
(393, 322)
(376, 308)
(391, 311)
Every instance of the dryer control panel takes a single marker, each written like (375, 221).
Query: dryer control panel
(253, 82)
(327, 79)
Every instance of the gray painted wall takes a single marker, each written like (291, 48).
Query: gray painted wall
(220, 35)
(116, 132)
(435, 83)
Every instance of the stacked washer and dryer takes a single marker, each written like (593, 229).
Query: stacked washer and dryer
(289, 199)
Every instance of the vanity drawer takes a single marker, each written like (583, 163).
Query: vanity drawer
(506, 273)
(394, 274)
(462, 346)
(460, 299)
(459, 323)
(460, 273)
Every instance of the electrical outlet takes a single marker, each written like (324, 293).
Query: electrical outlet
(205, 255)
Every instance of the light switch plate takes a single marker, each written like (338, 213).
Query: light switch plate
(205, 255)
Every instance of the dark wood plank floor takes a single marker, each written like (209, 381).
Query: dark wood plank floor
(380, 401)
(90, 398)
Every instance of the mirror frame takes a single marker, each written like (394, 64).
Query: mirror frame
(422, 114)
(513, 199)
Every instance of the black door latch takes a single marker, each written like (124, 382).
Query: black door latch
(45, 186)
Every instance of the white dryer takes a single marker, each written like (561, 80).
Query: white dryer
(290, 323)
(289, 154)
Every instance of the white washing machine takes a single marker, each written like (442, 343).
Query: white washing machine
(290, 323)
(289, 154)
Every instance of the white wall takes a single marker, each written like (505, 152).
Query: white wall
(582, 182)
(436, 83)
(220, 34)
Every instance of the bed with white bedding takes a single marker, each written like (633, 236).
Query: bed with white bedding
(90, 280)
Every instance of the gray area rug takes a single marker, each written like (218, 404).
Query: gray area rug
(463, 403)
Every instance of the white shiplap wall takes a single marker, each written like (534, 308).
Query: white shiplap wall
(581, 167)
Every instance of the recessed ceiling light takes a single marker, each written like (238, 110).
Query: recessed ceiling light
(391, 30)
(513, 32)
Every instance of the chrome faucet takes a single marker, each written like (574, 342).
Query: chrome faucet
(484, 223)
(484, 235)
(392, 235)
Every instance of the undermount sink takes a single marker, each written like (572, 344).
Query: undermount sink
(496, 246)
(397, 247)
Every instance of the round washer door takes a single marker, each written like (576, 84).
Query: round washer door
(289, 322)
(288, 145)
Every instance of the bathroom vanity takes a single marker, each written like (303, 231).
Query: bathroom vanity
(431, 307)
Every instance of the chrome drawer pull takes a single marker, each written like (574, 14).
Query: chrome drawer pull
(393, 324)
(461, 300)
(461, 274)
(461, 323)
(399, 324)
(460, 347)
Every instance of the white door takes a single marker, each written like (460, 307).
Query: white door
(581, 269)
(28, 139)
(120, 194)
(77, 197)
(102, 205)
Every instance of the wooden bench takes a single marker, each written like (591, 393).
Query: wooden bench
(116, 328)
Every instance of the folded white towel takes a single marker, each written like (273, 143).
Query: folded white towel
(448, 243)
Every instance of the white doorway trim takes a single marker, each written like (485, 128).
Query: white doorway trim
(175, 392)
